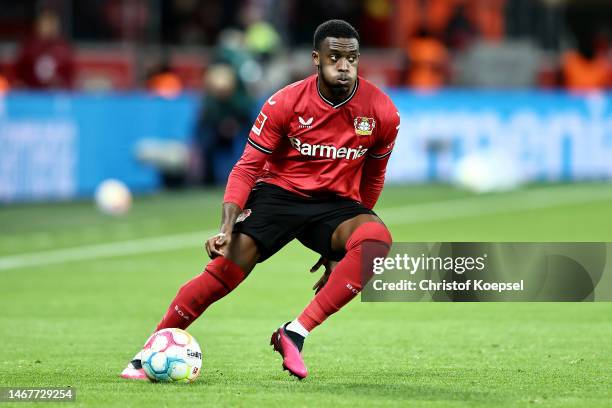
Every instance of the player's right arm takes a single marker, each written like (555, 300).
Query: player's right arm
(216, 245)
(265, 135)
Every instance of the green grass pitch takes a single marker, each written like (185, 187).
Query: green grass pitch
(75, 317)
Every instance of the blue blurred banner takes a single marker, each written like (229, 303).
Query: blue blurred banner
(55, 146)
(549, 136)
(58, 146)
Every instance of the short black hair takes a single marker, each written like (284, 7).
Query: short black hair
(333, 28)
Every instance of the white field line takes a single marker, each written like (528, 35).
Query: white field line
(494, 204)
(97, 251)
(409, 214)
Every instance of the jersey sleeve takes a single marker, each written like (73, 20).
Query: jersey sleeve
(265, 135)
(270, 125)
(389, 128)
(375, 166)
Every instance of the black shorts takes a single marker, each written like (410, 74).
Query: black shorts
(274, 216)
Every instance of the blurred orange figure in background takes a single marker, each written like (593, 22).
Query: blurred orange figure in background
(488, 15)
(587, 67)
(4, 85)
(428, 62)
(163, 81)
(165, 84)
(582, 73)
(436, 15)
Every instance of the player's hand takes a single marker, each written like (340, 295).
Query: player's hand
(217, 244)
(329, 267)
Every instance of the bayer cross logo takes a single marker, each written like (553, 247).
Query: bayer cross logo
(305, 123)
(364, 126)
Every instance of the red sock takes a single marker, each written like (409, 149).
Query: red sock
(220, 277)
(345, 282)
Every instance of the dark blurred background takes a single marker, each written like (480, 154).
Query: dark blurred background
(126, 44)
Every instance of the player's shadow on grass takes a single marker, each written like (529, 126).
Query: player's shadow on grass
(377, 385)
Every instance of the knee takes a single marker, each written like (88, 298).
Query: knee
(243, 251)
(370, 232)
(369, 241)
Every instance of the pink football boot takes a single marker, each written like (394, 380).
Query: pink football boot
(292, 359)
(134, 370)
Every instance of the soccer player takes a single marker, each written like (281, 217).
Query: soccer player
(312, 169)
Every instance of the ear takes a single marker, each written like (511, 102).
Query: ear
(315, 57)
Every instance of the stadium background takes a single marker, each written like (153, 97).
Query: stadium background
(506, 136)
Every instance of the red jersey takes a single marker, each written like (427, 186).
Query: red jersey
(306, 144)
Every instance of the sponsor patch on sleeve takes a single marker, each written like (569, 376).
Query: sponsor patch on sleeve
(259, 123)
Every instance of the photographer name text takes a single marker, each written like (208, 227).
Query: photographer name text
(430, 285)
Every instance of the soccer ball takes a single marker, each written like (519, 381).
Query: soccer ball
(113, 197)
(171, 355)
(487, 172)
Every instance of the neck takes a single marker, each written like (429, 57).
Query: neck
(331, 96)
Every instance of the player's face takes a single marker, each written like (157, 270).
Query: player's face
(337, 62)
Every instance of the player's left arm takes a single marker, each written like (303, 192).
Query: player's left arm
(375, 166)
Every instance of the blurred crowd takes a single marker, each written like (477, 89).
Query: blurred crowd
(168, 45)
(239, 51)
